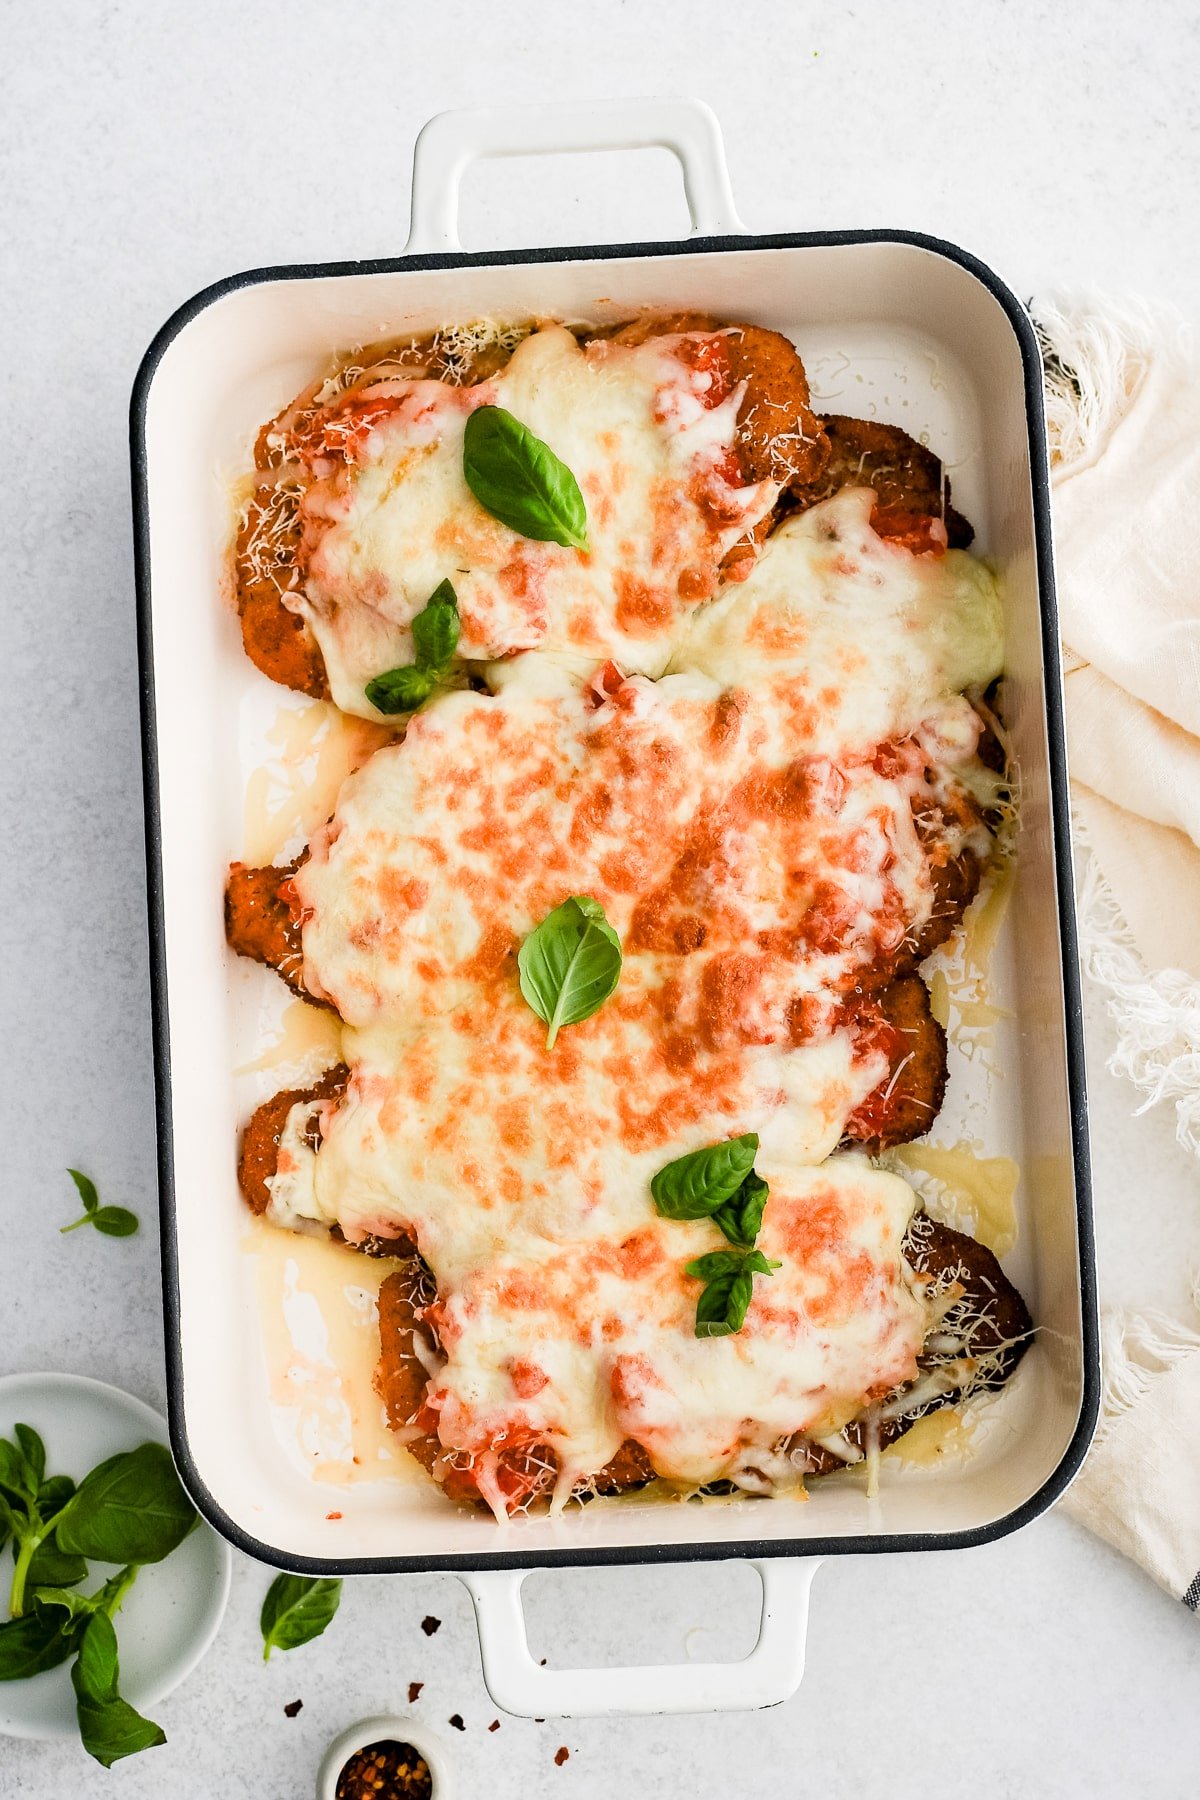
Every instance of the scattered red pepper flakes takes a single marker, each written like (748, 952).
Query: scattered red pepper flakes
(429, 1624)
(414, 1691)
(293, 1707)
(385, 1771)
(333, 1515)
(561, 1755)
(456, 1719)
(495, 1725)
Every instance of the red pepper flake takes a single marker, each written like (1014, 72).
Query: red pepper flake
(293, 1707)
(414, 1691)
(561, 1755)
(385, 1771)
(333, 1515)
(429, 1624)
(495, 1725)
(456, 1719)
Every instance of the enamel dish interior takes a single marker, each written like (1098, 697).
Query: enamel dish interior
(893, 329)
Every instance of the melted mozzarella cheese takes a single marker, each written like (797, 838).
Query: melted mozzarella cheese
(847, 640)
(748, 887)
(652, 458)
(472, 1136)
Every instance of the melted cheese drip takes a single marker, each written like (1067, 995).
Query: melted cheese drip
(937, 1437)
(755, 849)
(974, 1193)
(652, 458)
(320, 1302)
(294, 791)
(958, 981)
(309, 1041)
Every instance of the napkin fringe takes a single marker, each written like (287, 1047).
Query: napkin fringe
(1096, 354)
(1136, 1349)
(1156, 1015)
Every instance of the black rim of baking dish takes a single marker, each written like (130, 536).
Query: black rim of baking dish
(591, 1555)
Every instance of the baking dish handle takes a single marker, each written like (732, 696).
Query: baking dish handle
(770, 1673)
(451, 141)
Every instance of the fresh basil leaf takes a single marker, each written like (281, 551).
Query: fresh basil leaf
(436, 628)
(722, 1307)
(130, 1509)
(53, 1495)
(741, 1217)
(51, 1567)
(728, 1275)
(297, 1609)
(109, 1727)
(87, 1190)
(12, 1469)
(35, 1642)
(400, 690)
(98, 1670)
(520, 481)
(60, 1599)
(112, 1729)
(694, 1186)
(570, 964)
(729, 1262)
(716, 1264)
(17, 1479)
(34, 1452)
(115, 1221)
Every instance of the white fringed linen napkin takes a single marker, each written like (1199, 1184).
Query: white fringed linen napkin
(1123, 413)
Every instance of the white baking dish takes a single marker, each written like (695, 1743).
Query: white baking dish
(889, 324)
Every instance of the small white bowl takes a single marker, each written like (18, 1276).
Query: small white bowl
(173, 1611)
(380, 1730)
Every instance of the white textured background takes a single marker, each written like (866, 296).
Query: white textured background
(147, 149)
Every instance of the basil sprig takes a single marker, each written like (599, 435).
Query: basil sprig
(728, 1284)
(435, 631)
(297, 1609)
(520, 481)
(719, 1183)
(130, 1510)
(111, 1221)
(570, 964)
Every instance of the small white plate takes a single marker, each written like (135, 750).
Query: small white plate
(171, 1614)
